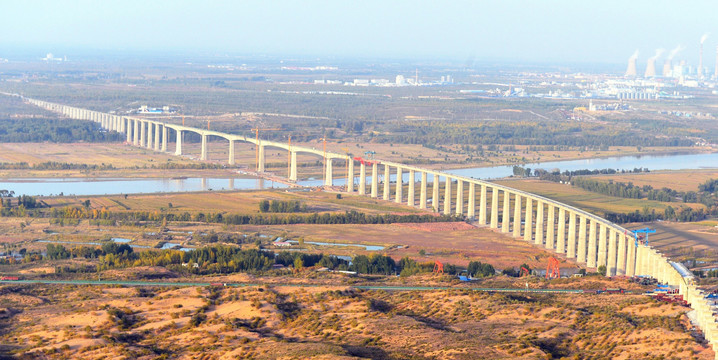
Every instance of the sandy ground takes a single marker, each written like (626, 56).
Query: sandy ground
(338, 323)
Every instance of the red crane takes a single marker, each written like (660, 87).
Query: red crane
(552, 270)
(438, 267)
(365, 161)
(524, 272)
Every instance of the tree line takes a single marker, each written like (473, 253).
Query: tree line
(54, 130)
(520, 133)
(282, 206)
(348, 217)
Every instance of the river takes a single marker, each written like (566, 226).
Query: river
(106, 186)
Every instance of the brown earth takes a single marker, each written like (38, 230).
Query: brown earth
(337, 322)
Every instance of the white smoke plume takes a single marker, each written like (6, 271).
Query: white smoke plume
(634, 56)
(704, 37)
(675, 51)
(659, 52)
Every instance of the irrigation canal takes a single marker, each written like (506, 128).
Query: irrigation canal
(238, 285)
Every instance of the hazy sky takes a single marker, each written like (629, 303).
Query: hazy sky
(518, 30)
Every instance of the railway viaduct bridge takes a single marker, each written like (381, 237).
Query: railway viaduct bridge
(571, 232)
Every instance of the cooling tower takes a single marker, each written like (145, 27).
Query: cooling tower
(650, 68)
(667, 68)
(631, 70)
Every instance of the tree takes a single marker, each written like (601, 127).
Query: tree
(264, 206)
(602, 270)
(298, 263)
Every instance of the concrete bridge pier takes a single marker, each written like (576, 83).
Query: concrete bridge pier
(293, 166)
(482, 206)
(422, 192)
(143, 133)
(150, 127)
(435, 192)
(136, 133)
(602, 232)
(128, 130)
(571, 248)
(622, 257)
(350, 175)
(528, 222)
(459, 197)
(399, 185)
(203, 153)
(230, 161)
(581, 249)
(411, 192)
(157, 137)
(387, 183)
(561, 241)
(538, 238)
(591, 259)
(506, 213)
(165, 138)
(178, 143)
(374, 180)
(123, 122)
(471, 210)
(329, 174)
(447, 196)
(362, 178)
(261, 164)
(517, 216)
(611, 263)
(551, 227)
(494, 208)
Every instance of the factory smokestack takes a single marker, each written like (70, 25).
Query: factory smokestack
(700, 56)
(631, 70)
(651, 68)
(668, 65)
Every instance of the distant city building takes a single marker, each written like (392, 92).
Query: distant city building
(49, 57)
(144, 109)
(400, 80)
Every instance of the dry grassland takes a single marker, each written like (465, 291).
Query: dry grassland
(587, 200)
(337, 322)
(675, 180)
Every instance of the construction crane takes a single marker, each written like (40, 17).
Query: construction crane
(642, 238)
(346, 163)
(324, 148)
(289, 157)
(524, 272)
(256, 152)
(552, 270)
(438, 267)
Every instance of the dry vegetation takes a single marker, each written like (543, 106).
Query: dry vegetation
(338, 322)
(587, 200)
(676, 180)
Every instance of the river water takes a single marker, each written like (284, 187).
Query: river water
(102, 186)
